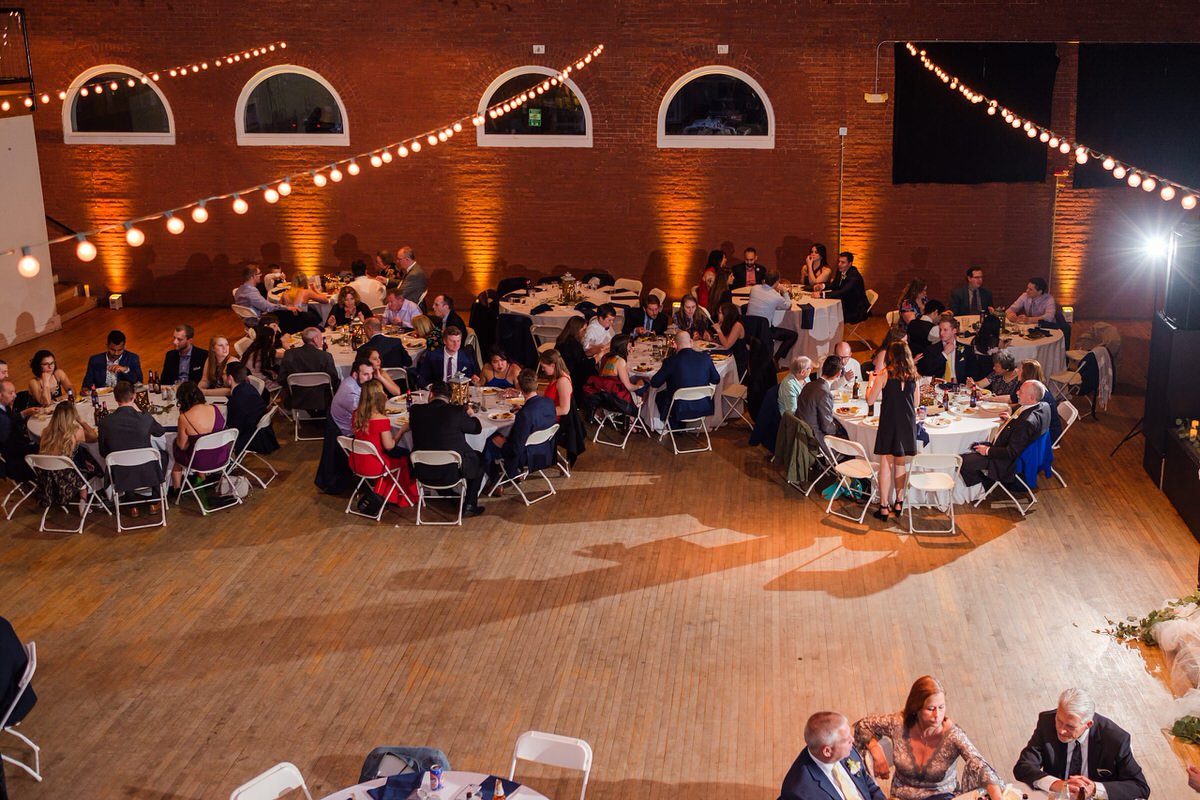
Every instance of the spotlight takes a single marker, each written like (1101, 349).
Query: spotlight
(1156, 247)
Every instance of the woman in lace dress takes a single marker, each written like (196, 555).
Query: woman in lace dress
(926, 747)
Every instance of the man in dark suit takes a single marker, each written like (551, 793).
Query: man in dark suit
(815, 404)
(848, 286)
(447, 361)
(829, 768)
(186, 361)
(998, 461)
(685, 368)
(15, 443)
(646, 320)
(246, 407)
(105, 369)
(444, 314)
(747, 273)
(947, 358)
(536, 415)
(438, 425)
(920, 329)
(1076, 747)
(127, 428)
(13, 660)
(972, 297)
(309, 357)
(390, 348)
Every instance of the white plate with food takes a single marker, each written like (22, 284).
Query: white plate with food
(705, 345)
(847, 411)
(491, 390)
(871, 422)
(501, 416)
(937, 422)
(719, 357)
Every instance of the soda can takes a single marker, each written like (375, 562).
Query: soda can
(435, 777)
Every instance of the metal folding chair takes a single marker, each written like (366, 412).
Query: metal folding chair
(536, 438)
(690, 426)
(123, 460)
(366, 477)
(23, 489)
(308, 380)
(872, 297)
(1024, 509)
(936, 473)
(239, 461)
(210, 478)
(1069, 414)
(438, 458)
(22, 685)
(41, 463)
(274, 783)
(856, 466)
(554, 750)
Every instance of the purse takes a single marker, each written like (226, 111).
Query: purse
(370, 502)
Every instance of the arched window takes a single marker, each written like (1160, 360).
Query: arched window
(716, 107)
(95, 113)
(558, 117)
(287, 104)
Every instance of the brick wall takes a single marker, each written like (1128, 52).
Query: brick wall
(477, 214)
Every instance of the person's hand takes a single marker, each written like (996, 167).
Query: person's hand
(982, 449)
(1021, 318)
(1077, 782)
(113, 367)
(475, 379)
(1193, 778)
(498, 440)
(470, 411)
(970, 383)
(1003, 415)
(818, 287)
(881, 768)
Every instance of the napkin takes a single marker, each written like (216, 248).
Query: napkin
(516, 294)
(488, 788)
(399, 787)
(540, 309)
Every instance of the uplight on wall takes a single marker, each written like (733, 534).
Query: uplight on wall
(1069, 314)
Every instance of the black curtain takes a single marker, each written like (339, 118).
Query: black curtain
(1138, 102)
(938, 136)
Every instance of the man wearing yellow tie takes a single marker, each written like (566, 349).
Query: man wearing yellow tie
(829, 766)
(946, 358)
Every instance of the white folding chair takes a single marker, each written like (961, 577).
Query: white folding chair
(543, 334)
(892, 317)
(690, 426)
(258, 383)
(734, 398)
(544, 346)
(438, 458)
(399, 375)
(1069, 414)
(611, 418)
(472, 341)
(308, 380)
(41, 463)
(659, 295)
(554, 750)
(632, 285)
(856, 466)
(272, 784)
(536, 438)
(1024, 509)
(239, 461)
(242, 344)
(128, 459)
(20, 488)
(872, 297)
(375, 469)
(378, 310)
(22, 685)
(211, 478)
(936, 473)
(248, 315)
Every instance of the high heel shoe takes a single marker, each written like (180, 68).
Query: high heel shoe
(883, 514)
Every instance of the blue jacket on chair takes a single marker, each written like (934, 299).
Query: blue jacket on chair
(684, 369)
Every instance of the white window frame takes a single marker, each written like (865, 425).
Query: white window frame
(716, 142)
(71, 136)
(288, 139)
(484, 139)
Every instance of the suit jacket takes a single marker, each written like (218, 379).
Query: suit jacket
(246, 407)
(306, 358)
(170, 370)
(391, 351)
(1018, 434)
(12, 667)
(536, 415)
(127, 428)
(807, 781)
(97, 366)
(815, 406)
(1110, 758)
(918, 335)
(685, 368)
(933, 363)
(636, 318)
(850, 289)
(960, 300)
(415, 283)
(438, 425)
(433, 366)
(15, 444)
(738, 275)
(452, 319)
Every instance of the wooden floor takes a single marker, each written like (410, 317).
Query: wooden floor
(682, 614)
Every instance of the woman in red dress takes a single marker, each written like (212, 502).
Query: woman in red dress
(371, 424)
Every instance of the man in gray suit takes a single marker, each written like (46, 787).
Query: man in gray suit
(309, 357)
(815, 405)
(127, 428)
(415, 283)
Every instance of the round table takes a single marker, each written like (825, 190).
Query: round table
(454, 786)
(641, 353)
(491, 405)
(557, 316)
(816, 342)
(343, 355)
(1050, 351)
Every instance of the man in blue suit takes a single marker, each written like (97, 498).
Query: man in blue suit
(447, 361)
(686, 368)
(390, 348)
(118, 364)
(536, 415)
(829, 768)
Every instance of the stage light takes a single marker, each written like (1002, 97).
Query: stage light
(1156, 247)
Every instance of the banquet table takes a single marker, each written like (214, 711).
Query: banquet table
(556, 317)
(817, 342)
(493, 406)
(343, 355)
(643, 364)
(1051, 351)
(454, 787)
(323, 309)
(954, 436)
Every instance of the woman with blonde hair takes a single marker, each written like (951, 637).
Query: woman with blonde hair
(213, 382)
(371, 424)
(926, 747)
(896, 387)
(65, 435)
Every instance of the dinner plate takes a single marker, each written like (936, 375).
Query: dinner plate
(501, 416)
(719, 357)
(871, 422)
(491, 390)
(847, 411)
(937, 422)
(104, 390)
(515, 402)
(705, 345)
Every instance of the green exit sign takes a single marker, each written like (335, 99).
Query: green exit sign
(535, 118)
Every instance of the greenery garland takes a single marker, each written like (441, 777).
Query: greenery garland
(1134, 629)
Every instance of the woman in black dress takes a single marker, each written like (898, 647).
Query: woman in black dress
(897, 438)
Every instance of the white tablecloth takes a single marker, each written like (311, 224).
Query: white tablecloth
(557, 316)
(454, 784)
(815, 343)
(1050, 352)
(640, 354)
(490, 404)
(343, 356)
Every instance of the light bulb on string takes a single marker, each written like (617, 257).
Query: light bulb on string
(1148, 184)
(492, 113)
(1081, 156)
(28, 102)
(403, 151)
(1016, 123)
(1108, 163)
(200, 214)
(85, 250)
(319, 179)
(285, 187)
(134, 236)
(1188, 201)
(353, 167)
(1032, 133)
(441, 137)
(174, 224)
(431, 139)
(28, 266)
(416, 146)
(335, 175)
(386, 156)
(376, 161)
(62, 95)
(1118, 172)
(1167, 193)
(1044, 137)
(1053, 142)
(271, 195)
(1134, 179)
(1064, 148)
(450, 131)
(240, 206)
(5, 105)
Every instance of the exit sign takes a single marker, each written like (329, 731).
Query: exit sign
(535, 118)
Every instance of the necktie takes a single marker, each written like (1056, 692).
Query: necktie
(1076, 765)
(844, 784)
(975, 301)
(449, 367)
(949, 374)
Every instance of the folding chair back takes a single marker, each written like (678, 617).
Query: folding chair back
(659, 295)
(438, 458)
(248, 315)
(272, 784)
(852, 330)
(44, 463)
(308, 380)
(241, 344)
(690, 393)
(555, 751)
(222, 441)
(632, 285)
(26, 678)
(690, 424)
(1069, 414)
(309, 396)
(399, 375)
(846, 448)
(239, 462)
(365, 460)
(258, 383)
(872, 298)
(892, 317)
(127, 471)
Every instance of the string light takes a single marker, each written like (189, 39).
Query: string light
(1132, 175)
(174, 224)
(275, 189)
(28, 266)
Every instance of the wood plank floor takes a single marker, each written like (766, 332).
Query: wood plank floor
(682, 614)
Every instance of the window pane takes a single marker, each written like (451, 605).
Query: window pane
(126, 110)
(716, 105)
(291, 103)
(557, 112)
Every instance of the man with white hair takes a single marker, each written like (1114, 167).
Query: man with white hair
(1073, 747)
(829, 766)
(998, 461)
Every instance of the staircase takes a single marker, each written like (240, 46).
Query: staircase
(69, 300)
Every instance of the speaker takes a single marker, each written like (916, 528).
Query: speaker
(1181, 305)
(1173, 382)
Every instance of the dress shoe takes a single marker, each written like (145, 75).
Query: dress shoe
(154, 508)
(134, 512)
(472, 511)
